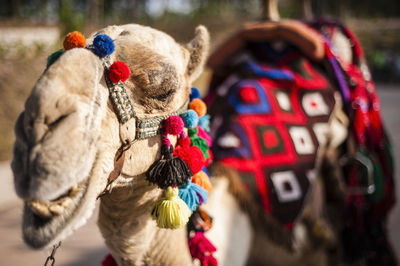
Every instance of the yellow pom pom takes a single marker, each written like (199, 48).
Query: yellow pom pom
(202, 180)
(74, 39)
(171, 212)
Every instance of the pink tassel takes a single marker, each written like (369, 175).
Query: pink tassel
(203, 134)
(209, 261)
(200, 247)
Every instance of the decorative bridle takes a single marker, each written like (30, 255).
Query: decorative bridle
(181, 170)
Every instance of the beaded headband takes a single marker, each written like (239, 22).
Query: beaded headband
(181, 170)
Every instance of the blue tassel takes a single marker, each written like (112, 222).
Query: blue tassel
(103, 45)
(193, 195)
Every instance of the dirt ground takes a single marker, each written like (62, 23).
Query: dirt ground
(86, 247)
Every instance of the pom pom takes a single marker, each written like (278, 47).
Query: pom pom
(209, 260)
(202, 180)
(118, 71)
(53, 57)
(203, 134)
(109, 261)
(169, 171)
(174, 125)
(74, 39)
(199, 142)
(192, 156)
(193, 195)
(200, 247)
(190, 119)
(103, 45)
(198, 106)
(171, 212)
(195, 94)
(184, 141)
(204, 122)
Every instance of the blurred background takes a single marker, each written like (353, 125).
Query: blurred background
(32, 29)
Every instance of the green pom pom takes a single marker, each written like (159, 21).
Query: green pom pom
(54, 56)
(201, 143)
(171, 212)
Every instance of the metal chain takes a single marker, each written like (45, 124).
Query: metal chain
(51, 260)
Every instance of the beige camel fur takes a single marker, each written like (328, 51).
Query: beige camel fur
(68, 135)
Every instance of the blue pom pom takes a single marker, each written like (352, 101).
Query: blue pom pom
(103, 45)
(194, 94)
(190, 119)
(193, 195)
(204, 122)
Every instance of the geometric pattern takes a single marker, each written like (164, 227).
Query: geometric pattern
(274, 117)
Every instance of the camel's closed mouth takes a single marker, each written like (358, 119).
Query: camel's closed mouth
(48, 209)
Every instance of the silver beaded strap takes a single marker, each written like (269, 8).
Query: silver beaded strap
(149, 127)
(119, 97)
(145, 127)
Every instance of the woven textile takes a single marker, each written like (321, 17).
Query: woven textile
(270, 112)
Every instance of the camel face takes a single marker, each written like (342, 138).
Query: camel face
(68, 134)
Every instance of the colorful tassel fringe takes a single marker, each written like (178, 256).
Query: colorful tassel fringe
(193, 195)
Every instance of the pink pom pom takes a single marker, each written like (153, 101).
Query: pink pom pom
(209, 261)
(174, 125)
(200, 247)
(202, 134)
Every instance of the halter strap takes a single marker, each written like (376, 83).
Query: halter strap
(145, 127)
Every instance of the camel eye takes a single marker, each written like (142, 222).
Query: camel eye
(164, 96)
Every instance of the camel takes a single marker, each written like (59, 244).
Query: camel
(70, 133)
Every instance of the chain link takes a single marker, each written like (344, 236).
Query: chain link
(51, 260)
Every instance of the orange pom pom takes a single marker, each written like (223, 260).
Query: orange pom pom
(202, 180)
(73, 40)
(198, 106)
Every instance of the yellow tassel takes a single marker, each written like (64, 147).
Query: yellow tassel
(202, 180)
(171, 212)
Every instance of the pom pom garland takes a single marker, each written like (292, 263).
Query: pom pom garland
(171, 212)
(74, 39)
(103, 45)
(118, 71)
(198, 106)
(202, 180)
(195, 94)
(53, 57)
(190, 119)
(193, 195)
(174, 125)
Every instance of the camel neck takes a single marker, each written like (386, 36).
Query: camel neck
(130, 233)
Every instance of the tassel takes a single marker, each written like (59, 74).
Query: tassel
(169, 171)
(193, 195)
(200, 247)
(202, 180)
(171, 212)
(209, 261)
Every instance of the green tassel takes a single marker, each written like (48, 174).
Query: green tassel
(171, 212)
(199, 142)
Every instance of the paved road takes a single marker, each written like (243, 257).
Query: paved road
(85, 247)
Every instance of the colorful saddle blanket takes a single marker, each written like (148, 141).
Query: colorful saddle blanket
(270, 108)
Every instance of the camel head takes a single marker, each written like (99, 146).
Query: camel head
(69, 132)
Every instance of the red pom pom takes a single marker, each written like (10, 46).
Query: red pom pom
(210, 158)
(118, 71)
(192, 156)
(184, 141)
(73, 40)
(109, 261)
(209, 261)
(174, 125)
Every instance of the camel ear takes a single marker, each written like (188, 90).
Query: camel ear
(198, 50)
